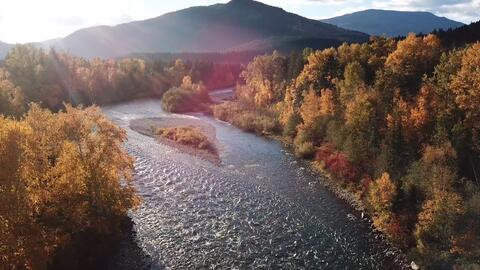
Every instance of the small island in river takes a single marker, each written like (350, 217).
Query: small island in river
(187, 135)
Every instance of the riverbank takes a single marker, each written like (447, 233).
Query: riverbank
(349, 197)
(263, 209)
(147, 126)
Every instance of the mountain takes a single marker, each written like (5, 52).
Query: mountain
(392, 23)
(4, 48)
(215, 28)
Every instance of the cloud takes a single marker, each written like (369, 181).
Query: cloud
(462, 10)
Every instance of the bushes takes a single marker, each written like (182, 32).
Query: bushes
(337, 163)
(61, 175)
(254, 122)
(227, 110)
(290, 128)
(189, 97)
(178, 100)
(246, 119)
(303, 144)
(305, 150)
(187, 136)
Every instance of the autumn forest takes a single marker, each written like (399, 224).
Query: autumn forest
(394, 122)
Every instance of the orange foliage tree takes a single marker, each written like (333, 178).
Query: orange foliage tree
(414, 57)
(466, 87)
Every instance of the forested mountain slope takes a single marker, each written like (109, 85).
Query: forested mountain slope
(392, 23)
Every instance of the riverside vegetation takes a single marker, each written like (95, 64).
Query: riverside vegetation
(65, 180)
(50, 78)
(188, 97)
(189, 136)
(395, 122)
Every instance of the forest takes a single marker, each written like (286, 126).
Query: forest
(30, 75)
(393, 121)
(65, 179)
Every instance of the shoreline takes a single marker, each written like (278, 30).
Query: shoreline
(345, 195)
(326, 180)
(144, 127)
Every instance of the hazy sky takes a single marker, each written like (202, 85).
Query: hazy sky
(39, 20)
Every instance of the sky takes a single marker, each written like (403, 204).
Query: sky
(39, 20)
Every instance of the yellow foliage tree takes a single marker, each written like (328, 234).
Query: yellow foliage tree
(414, 55)
(315, 106)
(440, 164)
(381, 194)
(11, 96)
(60, 174)
(319, 72)
(265, 76)
(360, 112)
(435, 229)
(420, 114)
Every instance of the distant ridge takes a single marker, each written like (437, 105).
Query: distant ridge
(392, 23)
(4, 48)
(238, 24)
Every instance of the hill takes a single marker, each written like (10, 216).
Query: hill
(392, 23)
(215, 28)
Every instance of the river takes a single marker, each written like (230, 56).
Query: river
(262, 208)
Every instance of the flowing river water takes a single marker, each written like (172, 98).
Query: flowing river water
(260, 209)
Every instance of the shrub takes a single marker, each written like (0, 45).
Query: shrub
(303, 143)
(324, 152)
(339, 165)
(189, 97)
(290, 129)
(305, 150)
(336, 163)
(249, 120)
(190, 136)
(178, 100)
